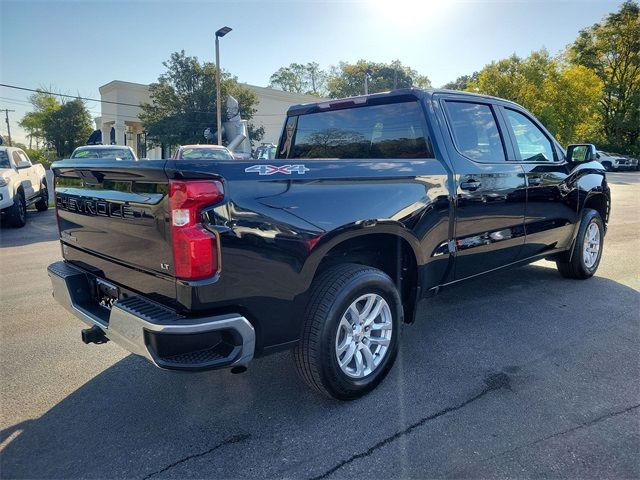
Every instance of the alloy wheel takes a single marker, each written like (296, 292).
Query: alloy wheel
(364, 335)
(591, 245)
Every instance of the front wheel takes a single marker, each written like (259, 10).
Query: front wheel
(587, 250)
(43, 204)
(18, 211)
(350, 336)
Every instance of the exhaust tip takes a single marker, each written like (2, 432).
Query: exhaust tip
(238, 369)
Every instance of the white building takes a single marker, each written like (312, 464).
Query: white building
(120, 109)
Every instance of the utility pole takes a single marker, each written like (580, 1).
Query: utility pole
(6, 116)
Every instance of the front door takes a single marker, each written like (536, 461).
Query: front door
(490, 190)
(551, 211)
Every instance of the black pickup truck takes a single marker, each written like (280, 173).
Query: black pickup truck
(371, 204)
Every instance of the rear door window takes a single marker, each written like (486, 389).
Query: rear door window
(4, 159)
(374, 131)
(475, 131)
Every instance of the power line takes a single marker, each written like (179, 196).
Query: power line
(114, 103)
(67, 96)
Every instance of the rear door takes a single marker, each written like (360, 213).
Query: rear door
(490, 190)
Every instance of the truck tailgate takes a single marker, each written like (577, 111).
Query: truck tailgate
(114, 218)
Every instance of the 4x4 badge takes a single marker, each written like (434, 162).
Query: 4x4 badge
(271, 169)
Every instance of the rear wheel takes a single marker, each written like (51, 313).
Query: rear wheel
(350, 336)
(587, 250)
(17, 214)
(43, 204)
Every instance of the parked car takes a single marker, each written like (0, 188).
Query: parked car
(615, 161)
(21, 184)
(119, 152)
(203, 152)
(372, 204)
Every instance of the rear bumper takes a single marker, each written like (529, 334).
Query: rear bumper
(155, 332)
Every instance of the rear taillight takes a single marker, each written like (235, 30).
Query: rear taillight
(195, 249)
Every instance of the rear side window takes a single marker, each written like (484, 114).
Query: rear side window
(4, 159)
(475, 131)
(533, 145)
(374, 131)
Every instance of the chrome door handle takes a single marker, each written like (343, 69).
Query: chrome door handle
(534, 181)
(470, 185)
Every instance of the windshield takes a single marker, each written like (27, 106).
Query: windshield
(205, 154)
(4, 159)
(122, 153)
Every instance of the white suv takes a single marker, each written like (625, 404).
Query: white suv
(615, 161)
(21, 184)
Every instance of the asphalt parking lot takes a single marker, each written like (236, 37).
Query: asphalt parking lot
(521, 374)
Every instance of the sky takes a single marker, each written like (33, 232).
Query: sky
(74, 47)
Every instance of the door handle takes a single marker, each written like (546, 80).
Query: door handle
(534, 181)
(470, 185)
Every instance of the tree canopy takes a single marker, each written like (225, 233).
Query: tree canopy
(563, 97)
(299, 78)
(62, 126)
(346, 79)
(611, 49)
(184, 102)
(589, 93)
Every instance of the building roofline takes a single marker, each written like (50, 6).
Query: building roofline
(118, 83)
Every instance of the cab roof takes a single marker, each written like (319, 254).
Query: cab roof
(399, 95)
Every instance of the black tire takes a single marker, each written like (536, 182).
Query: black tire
(576, 267)
(331, 295)
(42, 205)
(607, 166)
(17, 213)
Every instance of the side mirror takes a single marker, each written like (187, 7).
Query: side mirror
(581, 153)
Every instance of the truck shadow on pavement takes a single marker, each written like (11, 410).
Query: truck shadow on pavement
(40, 227)
(480, 358)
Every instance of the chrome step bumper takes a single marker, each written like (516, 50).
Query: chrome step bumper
(145, 328)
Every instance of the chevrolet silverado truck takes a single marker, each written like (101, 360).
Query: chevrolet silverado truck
(371, 204)
(21, 184)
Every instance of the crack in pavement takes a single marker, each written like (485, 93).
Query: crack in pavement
(557, 434)
(229, 441)
(493, 382)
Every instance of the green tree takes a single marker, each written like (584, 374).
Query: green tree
(347, 79)
(611, 49)
(43, 105)
(299, 78)
(563, 97)
(62, 126)
(184, 102)
(462, 82)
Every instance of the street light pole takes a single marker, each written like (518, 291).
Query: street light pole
(220, 33)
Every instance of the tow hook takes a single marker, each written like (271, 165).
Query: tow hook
(94, 335)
